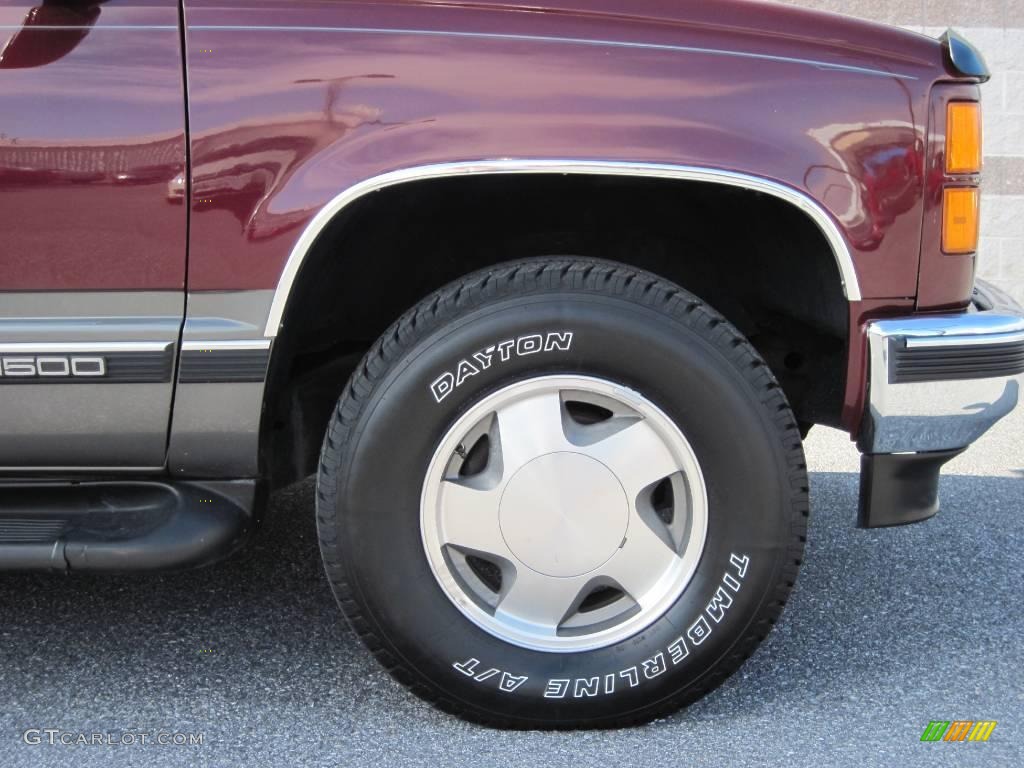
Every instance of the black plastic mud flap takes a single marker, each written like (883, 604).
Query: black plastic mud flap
(900, 488)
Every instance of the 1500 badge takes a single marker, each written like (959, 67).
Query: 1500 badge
(42, 366)
(502, 352)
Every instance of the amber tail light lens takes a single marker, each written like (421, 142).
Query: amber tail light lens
(963, 137)
(960, 209)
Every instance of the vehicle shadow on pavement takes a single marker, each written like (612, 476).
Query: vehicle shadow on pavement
(885, 628)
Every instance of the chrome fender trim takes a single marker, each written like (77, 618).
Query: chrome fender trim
(826, 224)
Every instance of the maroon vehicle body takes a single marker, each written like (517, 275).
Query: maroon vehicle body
(93, 129)
(351, 90)
(531, 286)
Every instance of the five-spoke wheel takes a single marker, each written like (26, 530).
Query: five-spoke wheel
(564, 513)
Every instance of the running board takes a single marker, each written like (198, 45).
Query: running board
(122, 525)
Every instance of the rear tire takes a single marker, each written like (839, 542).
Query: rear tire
(522, 398)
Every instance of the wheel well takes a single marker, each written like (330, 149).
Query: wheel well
(759, 260)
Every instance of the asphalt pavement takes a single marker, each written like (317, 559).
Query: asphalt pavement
(886, 631)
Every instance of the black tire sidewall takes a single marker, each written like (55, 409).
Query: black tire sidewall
(681, 365)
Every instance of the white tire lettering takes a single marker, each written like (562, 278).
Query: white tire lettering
(740, 562)
(510, 682)
(654, 666)
(528, 345)
(503, 351)
(558, 341)
(556, 689)
(484, 358)
(699, 631)
(678, 650)
(467, 667)
(720, 602)
(466, 369)
(586, 687)
(507, 682)
(443, 386)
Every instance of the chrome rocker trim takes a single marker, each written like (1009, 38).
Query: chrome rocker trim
(844, 261)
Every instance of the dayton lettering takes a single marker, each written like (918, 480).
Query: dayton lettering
(502, 352)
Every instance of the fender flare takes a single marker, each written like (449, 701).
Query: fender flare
(827, 225)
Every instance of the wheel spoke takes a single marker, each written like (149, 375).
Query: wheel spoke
(529, 428)
(637, 455)
(539, 603)
(470, 519)
(643, 558)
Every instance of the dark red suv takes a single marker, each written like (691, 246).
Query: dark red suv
(546, 294)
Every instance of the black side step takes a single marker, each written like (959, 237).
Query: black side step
(122, 525)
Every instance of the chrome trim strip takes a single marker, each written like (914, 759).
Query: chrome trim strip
(211, 346)
(816, 63)
(826, 224)
(924, 328)
(1014, 337)
(971, 328)
(26, 347)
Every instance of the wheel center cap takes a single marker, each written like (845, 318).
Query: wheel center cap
(563, 514)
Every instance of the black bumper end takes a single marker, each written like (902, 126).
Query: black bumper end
(900, 488)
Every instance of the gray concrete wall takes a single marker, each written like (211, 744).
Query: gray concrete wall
(997, 28)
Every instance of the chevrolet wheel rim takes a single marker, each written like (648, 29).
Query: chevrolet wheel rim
(564, 513)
